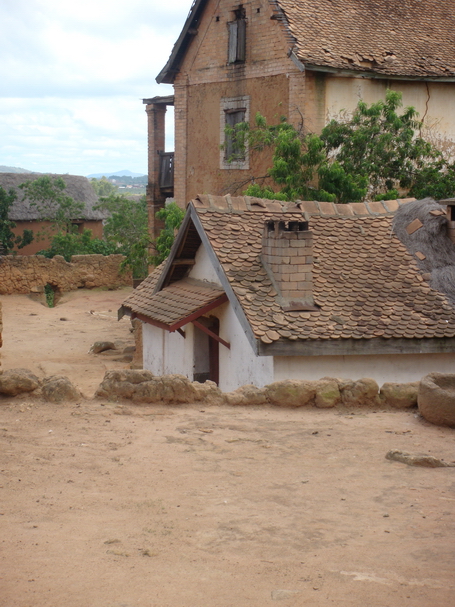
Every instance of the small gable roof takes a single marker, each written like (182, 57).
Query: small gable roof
(369, 294)
(411, 38)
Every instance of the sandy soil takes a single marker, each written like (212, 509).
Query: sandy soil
(107, 505)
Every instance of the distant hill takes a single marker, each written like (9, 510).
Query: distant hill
(4, 169)
(124, 173)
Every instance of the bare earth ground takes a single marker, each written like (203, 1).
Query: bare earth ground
(118, 505)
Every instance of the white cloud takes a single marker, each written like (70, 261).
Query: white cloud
(73, 78)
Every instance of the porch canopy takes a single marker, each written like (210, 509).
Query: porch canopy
(176, 305)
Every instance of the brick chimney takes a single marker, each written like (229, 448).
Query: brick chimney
(287, 255)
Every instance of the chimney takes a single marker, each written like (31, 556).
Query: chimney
(287, 255)
(450, 202)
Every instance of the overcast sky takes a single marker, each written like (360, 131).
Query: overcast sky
(72, 79)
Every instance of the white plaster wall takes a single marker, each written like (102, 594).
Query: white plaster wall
(203, 268)
(399, 368)
(435, 102)
(165, 353)
(239, 365)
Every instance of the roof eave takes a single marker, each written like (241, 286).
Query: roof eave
(171, 69)
(351, 347)
(369, 73)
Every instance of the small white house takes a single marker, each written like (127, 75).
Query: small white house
(256, 291)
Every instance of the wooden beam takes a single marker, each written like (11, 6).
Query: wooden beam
(211, 334)
(183, 262)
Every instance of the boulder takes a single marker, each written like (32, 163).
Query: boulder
(328, 394)
(142, 386)
(209, 393)
(364, 391)
(59, 389)
(436, 399)
(102, 346)
(291, 393)
(247, 395)
(16, 381)
(399, 396)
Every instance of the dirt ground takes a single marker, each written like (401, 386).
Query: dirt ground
(117, 505)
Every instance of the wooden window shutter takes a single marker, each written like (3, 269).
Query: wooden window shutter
(232, 51)
(241, 39)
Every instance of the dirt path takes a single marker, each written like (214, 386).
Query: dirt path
(105, 505)
(52, 341)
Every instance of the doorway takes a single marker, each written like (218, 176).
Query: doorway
(206, 364)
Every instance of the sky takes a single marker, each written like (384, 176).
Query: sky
(72, 79)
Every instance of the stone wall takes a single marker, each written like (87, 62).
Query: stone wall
(19, 274)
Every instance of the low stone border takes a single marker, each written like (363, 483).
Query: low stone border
(142, 386)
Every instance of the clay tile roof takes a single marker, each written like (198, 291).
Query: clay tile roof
(366, 284)
(174, 303)
(408, 38)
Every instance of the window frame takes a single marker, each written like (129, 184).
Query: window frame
(228, 107)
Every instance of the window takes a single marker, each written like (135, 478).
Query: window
(237, 37)
(233, 110)
(232, 150)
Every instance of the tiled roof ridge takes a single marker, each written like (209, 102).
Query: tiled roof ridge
(242, 204)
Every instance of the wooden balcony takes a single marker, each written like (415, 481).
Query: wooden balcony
(167, 172)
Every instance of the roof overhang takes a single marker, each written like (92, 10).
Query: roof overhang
(184, 320)
(346, 73)
(171, 69)
(352, 347)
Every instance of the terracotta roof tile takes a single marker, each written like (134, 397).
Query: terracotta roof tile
(407, 38)
(179, 300)
(364, 280)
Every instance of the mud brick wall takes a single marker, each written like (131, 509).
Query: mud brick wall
(21, 274)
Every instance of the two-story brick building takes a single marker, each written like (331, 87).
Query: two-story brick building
(303, 59)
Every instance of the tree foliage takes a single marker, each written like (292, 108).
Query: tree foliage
(375, 153)
(48, 195)
(172, 215)
(127, 229)
(68, 244)
(8, 239)
(103, 187)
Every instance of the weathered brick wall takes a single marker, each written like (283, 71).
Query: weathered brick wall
(20, 274)
(205, 77)
(1, 331)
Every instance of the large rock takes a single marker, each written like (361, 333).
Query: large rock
(364, 391)
(17, 381)
(400, 396)
(328, 394)
(59, 389)
(436, 399)
(291, 393)
(247, 395)
(142, 386)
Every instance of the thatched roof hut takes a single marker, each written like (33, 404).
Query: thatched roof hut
(77, 187)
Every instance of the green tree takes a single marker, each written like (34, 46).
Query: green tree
(68, 244)
(374, 153)
(47, 194)
(172, 215)
(8, 239)
(127, 229)
(103, 187)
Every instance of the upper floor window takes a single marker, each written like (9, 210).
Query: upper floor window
(237, 37)
(233, 111)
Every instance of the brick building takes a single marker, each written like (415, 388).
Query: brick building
(303, 59)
